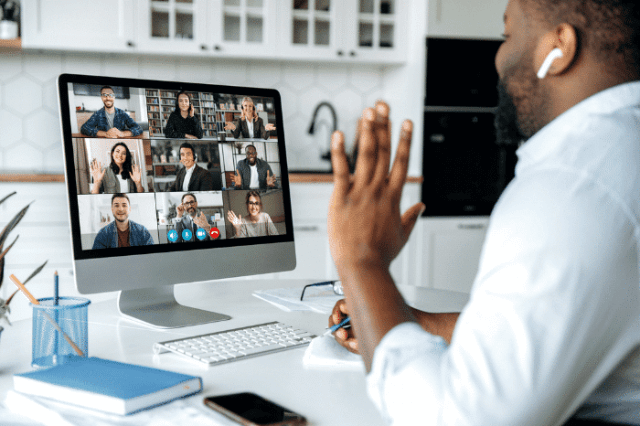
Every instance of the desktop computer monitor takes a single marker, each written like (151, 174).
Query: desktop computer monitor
(172, 182)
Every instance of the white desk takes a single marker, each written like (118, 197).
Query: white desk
(325, 397)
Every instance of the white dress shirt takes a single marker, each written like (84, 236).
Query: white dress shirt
(552, 326)
(187, 178)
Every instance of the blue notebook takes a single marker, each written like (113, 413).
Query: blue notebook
(109, 386)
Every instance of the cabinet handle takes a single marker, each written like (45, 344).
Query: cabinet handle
(216, 47)
(471, 226)
(340, 53)
(131, 44)
(352, 53)
(203, 47)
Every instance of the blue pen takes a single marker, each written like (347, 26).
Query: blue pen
(345, 323)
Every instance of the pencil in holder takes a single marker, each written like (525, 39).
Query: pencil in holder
(60, 331)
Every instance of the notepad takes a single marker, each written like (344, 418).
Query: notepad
(325, 352)
(108, 386)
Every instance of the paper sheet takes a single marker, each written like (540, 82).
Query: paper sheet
(188, 411)
(325, 352)
(319, 299)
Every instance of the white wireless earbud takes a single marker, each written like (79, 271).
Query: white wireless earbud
(552, 56)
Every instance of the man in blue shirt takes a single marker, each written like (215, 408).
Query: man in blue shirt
(122, 232)
(110, 122)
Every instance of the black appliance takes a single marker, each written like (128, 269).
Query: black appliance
(464, 169)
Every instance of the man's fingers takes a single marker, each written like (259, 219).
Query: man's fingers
(339, 163)
(401, 162)
(367, 150)
(382, 132)
(410, 217)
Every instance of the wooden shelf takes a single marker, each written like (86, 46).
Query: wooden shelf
(12, 45)
(37, 177)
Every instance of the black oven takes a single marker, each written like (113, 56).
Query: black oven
(464, 169)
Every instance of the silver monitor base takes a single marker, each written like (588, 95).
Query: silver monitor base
(158, 307)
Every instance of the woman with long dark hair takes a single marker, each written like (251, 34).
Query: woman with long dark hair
(120, 176)
(183, 123)
(257, 223)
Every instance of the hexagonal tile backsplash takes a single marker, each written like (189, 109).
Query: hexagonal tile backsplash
(30, 132)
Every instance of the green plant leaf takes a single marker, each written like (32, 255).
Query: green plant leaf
(33, 274)
(7, 196)
(12, 224)
(2, 259)
(8, 248)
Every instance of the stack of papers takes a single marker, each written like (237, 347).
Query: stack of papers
(318, 299)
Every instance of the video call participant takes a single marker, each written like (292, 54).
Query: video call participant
(551, 333)
(119, 176)
(249, 124)
(193, 220)
(192, 177)
(109, 121)
(183, 121)
(257, 224)
(252, 172)
(122, 232)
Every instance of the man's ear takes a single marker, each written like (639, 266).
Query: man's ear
(563, 37)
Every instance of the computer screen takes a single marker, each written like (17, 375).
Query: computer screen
(169, 183)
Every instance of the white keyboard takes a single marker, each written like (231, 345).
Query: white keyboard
(240, 343)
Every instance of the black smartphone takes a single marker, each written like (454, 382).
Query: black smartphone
(250, 409)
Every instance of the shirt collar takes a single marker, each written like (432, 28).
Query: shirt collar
(547, 140)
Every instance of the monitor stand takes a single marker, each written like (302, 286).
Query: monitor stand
(158, 307)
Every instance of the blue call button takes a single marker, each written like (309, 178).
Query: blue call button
(201, 234)
(172, 235)
(187, 234)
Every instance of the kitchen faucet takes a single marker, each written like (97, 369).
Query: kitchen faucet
(326, 155)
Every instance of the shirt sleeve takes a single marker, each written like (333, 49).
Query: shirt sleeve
(170, 129)
(90, 127)
(132, 126)
(197, 127)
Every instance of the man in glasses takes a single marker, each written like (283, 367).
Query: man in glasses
(253, 173)
(110, 122)
(190, 226)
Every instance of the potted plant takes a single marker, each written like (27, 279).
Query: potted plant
(4, 304)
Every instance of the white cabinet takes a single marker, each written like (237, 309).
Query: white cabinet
(229, 28)
(102, 26)
(335, 30)
(349, 30)
(450, 252)
(466, 18)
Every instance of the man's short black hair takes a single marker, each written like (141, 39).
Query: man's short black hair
(120, 195)
(608, 28)
(188, 193)
(188, 146)
(106, 87)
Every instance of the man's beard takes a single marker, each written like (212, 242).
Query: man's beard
(506, 119)
(520, 113)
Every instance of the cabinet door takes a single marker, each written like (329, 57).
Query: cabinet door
(311, 29)
(242, 28)
(104, 26)
(451, 252)
(372, 30)
(172, 26)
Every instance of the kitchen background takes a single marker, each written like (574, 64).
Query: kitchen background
(442, 252)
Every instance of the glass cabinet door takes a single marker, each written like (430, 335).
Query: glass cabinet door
(170, 25)
(313, 27)
(376, 27)
(243, 27)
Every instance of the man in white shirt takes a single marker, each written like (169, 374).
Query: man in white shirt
(192, 177)
(552, 329)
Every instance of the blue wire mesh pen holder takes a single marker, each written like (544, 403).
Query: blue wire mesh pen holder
(51, 346)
